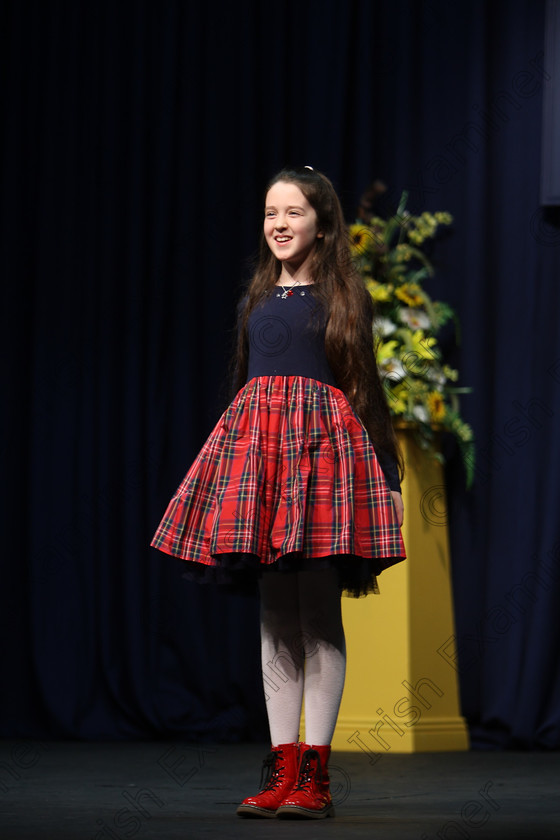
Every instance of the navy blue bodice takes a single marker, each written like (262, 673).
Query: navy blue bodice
(287, 338)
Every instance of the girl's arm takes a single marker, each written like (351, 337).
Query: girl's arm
(399, 506)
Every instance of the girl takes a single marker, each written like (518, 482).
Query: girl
(298, 484)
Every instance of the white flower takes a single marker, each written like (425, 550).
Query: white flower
(421, 413)
(384, 327)
(414, 318)
(392, 369)
(437, 376)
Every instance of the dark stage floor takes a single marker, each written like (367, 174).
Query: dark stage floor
(171, 790)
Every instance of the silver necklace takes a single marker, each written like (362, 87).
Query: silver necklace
(288, 292)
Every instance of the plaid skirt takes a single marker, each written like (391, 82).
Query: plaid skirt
(288, 479)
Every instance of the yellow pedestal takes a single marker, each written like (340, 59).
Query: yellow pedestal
(401, 695)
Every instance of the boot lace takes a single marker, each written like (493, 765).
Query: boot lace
(272, 773)
(306, 773)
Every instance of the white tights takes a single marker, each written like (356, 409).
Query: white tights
(303, 654)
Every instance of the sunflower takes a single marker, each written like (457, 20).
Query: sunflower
(436, 406)
(411, 294)
(361, 240)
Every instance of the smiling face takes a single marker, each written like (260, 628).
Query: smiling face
(290, 226)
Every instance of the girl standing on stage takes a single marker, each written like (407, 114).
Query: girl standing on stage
(298, 485)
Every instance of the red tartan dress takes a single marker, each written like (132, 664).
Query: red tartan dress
(288, 478)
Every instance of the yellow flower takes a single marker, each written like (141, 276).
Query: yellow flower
(436, 406)
(411, 294)
(361, 239)
(428, 222)
(403, 252)
(415, 237)
(465, 432)
(422, 345)
(386, 350)
(379, 291)
(396, 396)
(426, 225)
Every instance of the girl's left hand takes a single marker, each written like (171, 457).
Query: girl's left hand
(399, 506)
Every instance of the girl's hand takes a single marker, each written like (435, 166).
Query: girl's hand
(399, 506)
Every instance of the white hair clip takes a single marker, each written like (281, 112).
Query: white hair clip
(309, 167)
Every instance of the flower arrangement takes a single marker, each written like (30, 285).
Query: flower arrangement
(421, 389)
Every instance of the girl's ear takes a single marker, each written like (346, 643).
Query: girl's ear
(320, 234)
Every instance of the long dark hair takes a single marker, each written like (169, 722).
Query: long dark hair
(338, 286)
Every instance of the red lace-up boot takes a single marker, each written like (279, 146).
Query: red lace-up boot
(310, 797)
(279, 775)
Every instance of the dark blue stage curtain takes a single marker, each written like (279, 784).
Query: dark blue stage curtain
(136, 139)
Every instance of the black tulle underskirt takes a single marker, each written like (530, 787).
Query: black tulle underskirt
(240, 573)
